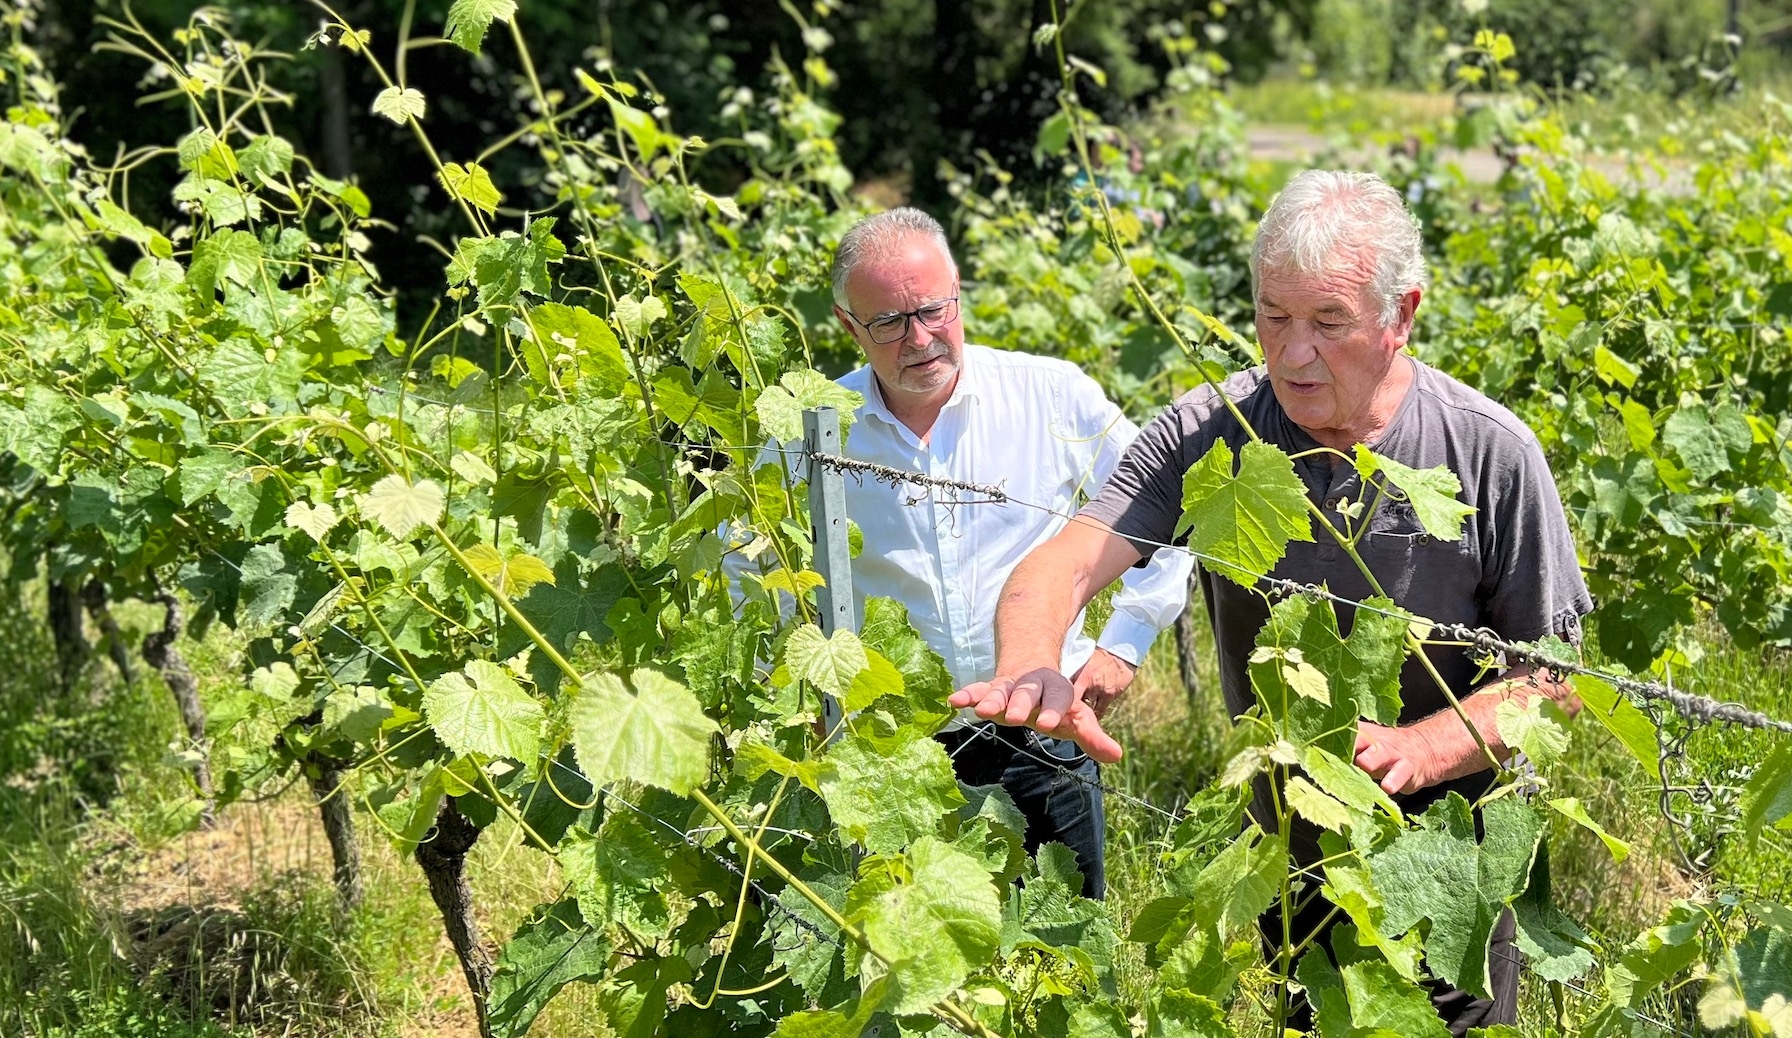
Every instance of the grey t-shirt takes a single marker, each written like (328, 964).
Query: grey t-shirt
(1514, 570)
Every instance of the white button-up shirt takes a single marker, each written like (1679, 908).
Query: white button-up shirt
(1046, 434)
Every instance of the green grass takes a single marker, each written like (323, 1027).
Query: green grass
(1340, 108)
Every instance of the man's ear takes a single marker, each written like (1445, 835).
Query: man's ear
(846, 322)
(1409, 309)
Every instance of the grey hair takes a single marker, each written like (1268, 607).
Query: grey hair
(1324, 212)
(877, 236)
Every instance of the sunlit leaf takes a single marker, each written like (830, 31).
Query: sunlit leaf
(399, 506)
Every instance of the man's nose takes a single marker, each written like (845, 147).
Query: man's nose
(918, 334)
(1299, 348)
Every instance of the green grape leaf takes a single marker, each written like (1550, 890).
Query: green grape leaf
(468, 21)
(232, 255)
(1307, 681)
(1099, 1020)
(1431, 492)
(266, 156)
(1571, 808)
(399, 506)
(1767, 798)
(399, 104)
(1054, 133)
(587, 338)
(829, 663)
(1347, 782)
(202, 152)
(1635, 732)
(472, 468)
(934, 929)
(1325, 992)
(809, 950)
(658, 735)
(753, 759)
(809, 388)
(780, 414)
(926, 682)
(568, 606)
(618, 875)
(1351, 889)
(1236, 887)
(1762, 970)
(638, 315)
(550, 950)
(242, 376)
(358, 713)
(1245, 521)
(511, 576)
(34, 433)
(1384, 1002)
(1538, 728)
(835, 1023)
(1705, 437)
(267, 589)
(880, 678)
(886, 802)
(316, 520)
(1656, 955)
(503, 266)
(1363, 671)
(1317, 807)
(1438, 872)
(639, 126)
(484, 710)
(471, 183)
(1183, 1014)
(1554, 947)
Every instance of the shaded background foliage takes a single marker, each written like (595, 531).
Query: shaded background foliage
(918, 81)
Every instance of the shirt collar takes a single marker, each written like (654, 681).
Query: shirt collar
(970, 385)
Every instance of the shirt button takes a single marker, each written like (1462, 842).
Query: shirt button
(1331, 504)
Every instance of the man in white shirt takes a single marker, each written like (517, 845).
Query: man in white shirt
(1046, 434)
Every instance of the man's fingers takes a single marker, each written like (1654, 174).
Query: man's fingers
(970, 695)
(1056, 698)
(1022, 701)
(1398, 778)
(1373, 759)
(1085, 729)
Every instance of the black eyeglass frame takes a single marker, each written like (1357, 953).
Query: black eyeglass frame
(907, 316)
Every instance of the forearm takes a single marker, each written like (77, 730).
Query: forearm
(1038, 604)
(1451, 740)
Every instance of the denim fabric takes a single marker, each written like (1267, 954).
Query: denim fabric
(1053, 783)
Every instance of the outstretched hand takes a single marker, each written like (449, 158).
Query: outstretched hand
(1045, 701)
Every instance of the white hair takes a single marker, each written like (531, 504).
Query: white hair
(876, 237)
(1323, 214)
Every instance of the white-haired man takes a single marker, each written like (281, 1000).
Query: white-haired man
(1045, 432)
(1338, 273)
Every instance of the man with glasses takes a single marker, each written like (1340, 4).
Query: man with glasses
(1042, 430)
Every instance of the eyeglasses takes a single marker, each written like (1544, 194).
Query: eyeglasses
(891, 327)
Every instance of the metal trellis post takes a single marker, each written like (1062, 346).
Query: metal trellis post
(833, 555)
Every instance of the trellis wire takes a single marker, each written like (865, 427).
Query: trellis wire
(1698, 708)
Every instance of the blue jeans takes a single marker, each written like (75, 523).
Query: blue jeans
(1055, 785)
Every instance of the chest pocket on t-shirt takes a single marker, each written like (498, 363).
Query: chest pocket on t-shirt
(1413, 566)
